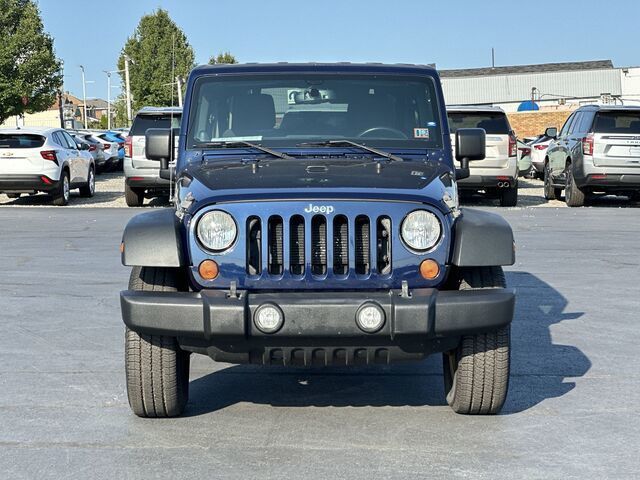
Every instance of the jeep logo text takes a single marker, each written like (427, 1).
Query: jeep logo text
(328, 209)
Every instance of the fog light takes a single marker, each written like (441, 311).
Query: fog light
(370, 317)
(208, 269)
(429, 269)
(268, 318)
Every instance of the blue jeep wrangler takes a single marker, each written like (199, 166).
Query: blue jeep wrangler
(316, 224)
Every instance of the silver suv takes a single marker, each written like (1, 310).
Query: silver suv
(497, 174)
(596, 151)
(142, 176)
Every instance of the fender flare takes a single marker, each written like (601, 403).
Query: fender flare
(482, 239)
(152, 239)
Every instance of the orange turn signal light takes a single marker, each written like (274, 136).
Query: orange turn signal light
(429, 269)
(121, 247)
(208, 269)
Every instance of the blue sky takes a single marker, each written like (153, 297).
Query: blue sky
(450, 33)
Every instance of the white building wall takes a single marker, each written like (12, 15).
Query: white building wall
(630, 81)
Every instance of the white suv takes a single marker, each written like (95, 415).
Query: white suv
(44, 160)
(497, 174)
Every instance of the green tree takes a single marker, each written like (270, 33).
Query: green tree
(224, 57)
(119, 106)
(153, 48)
(30, 76)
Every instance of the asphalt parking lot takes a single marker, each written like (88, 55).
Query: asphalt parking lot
(571, 410)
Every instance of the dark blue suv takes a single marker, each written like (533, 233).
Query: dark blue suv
(316, 224)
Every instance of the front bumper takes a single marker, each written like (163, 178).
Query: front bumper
(312, 320)
(27, 183)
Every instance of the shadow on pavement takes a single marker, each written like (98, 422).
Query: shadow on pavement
(539, 369)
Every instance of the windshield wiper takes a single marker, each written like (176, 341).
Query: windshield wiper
(240, 144)
(338, 143)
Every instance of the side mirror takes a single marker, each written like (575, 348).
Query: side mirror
(470, 145)
(160, 145)
(551, 132)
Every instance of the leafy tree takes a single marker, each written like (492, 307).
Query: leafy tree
(152, 48)
(104, 122)
(119, 106)
(29, 70)
(224, 57)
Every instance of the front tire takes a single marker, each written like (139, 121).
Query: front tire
(90, 188)
(157, 370)
(133, 196)
(550, 192)
(476, 373)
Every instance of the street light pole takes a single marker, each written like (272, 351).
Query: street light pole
(128, 87)
(84, 98)
(108, 99)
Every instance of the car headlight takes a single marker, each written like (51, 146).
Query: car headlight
(216, 230)
(421, 230)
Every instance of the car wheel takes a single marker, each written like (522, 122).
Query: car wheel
(476, 373)
(90, 188)
(61, 196)
(509, 196)
(157, 369)
(133, 196)
(573, 196)
(550, 192)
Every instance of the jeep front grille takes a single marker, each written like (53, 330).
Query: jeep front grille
(287, 248)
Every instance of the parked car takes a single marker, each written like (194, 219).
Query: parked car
(142, 176)
(524, 158)
(102, 164)
(497, 174)
(596, 151)
(117, 139)
(44, 160)
(110, 149)
(94, 148)
(538, 153)
(333, 238)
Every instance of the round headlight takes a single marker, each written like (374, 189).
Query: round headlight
(421, 230)
(216, 230)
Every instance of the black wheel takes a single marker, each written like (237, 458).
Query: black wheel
(90, 188)
(509, 196)
(133, 196)
(157, 370)
(476, 373)
(61, 196)
(550, 192)
(573, 196)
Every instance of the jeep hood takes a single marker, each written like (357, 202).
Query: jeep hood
(315, 173)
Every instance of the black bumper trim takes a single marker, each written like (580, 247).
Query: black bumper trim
(25, 183)
(211, 315)
(617, 181)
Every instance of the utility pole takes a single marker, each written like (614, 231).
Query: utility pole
(60, 110)
(108, 99)
(493, 58)
(179, 82)
(84, 99)
(128, 87)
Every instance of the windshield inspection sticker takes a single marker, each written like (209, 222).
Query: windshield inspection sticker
(421, 133)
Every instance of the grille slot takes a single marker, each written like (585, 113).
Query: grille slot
(383, 245)
(362, 244)
(340, 245)
(318, 245)
(276, 252)
(254, 246)
(296, 245)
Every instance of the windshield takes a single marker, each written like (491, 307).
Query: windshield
(287, 110)
(492, 123)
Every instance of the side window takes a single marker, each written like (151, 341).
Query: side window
(567, 124)
(70, 143)
(58, 139)
(587, 121)
(575, 124)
